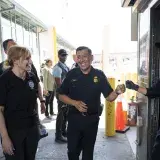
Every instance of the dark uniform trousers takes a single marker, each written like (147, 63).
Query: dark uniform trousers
(25, 142)
(81, 135)
(61, 121)
(49, 102)
(156, 148)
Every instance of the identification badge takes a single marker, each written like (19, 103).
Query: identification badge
(31, 84)
(95, 79)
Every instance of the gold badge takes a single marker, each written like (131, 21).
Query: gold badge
(95, 79)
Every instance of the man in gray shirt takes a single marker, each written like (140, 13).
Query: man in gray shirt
(59, 72)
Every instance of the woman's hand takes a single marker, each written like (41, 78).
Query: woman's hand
(7, 145)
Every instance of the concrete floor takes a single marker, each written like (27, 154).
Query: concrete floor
(131, 135)
(106, 148)
(113, 148)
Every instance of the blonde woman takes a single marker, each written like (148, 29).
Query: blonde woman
(49, 87)
(18, 117)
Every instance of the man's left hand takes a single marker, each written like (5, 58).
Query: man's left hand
(43, 107)
(120, 89)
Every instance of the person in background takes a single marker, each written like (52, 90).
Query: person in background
(49, 87)
(41, 71)
(75, 60)
(18, 117)
(60, 71)
(5, 65)
(81, 90)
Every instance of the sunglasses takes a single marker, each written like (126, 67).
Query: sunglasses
(63, 55)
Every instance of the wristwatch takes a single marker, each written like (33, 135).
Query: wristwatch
(42, 101)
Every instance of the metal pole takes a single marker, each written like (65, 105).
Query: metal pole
(15, 27)
(38, 44)
(11, 22)
(1, 55)
(29, 34)
(22, 28)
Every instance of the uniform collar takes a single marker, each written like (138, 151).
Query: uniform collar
(90, 73)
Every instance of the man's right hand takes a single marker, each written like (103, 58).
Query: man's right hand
(7, 145)
(81, 106)
(131, 85)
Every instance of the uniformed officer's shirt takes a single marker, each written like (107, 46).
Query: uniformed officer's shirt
(19, 99)
(86, 88)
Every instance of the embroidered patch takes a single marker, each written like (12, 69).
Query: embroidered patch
(31, 84)
(95, 79)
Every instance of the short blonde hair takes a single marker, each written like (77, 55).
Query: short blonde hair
(16, 52)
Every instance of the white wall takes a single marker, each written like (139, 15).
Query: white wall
(47, 44)
(117, 44)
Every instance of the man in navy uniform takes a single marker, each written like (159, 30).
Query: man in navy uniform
(81, 90)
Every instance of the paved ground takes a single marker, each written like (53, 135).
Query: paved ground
(114, 148)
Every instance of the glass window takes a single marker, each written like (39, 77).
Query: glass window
(26, 38)
(14, 34)
(19, 34)
(6, 32)
(6, 29)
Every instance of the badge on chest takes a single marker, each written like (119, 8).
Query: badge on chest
(31, 84)
(95, 79)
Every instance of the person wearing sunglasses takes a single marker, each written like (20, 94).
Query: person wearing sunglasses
(60, 71)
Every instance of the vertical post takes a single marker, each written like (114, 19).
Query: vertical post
(22, 29)
(15, 26)
(38, 43)
(11, 23)
(29, 34)
(1, 48)
(55, 45)
(110, 113)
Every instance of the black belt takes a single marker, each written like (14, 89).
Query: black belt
(88, 114)
(85, 113)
